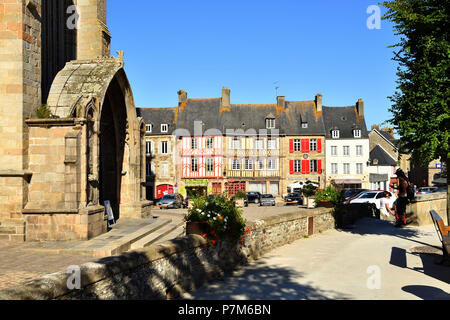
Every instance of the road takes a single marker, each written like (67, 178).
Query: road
(371, 261)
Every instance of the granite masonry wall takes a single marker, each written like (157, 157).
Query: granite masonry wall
(165, 271)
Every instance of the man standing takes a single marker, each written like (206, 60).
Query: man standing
(402, 201)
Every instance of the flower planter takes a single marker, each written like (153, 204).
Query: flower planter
(325, 204)
(311, 203)
(199, 228)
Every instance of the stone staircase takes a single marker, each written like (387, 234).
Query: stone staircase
(125, 236)
(12, 230)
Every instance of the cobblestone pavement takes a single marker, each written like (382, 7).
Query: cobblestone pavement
(19, 263)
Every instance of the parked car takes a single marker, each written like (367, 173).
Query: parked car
(253, 197)
(267, 200)
(171, 201)
(427, 190)
(352, 193)
(373, 197)
(293, 198)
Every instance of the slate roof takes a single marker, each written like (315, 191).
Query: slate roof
(245, 117)
(384, 159)
(346, 120)
(158, 116)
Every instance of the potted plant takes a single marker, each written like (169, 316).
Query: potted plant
(309, 191)
(330, 197)
(216, 219)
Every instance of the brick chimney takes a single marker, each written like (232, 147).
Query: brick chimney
(182, 97)
(226, 98)
(281, 102)
(319, 104)
(360, 107)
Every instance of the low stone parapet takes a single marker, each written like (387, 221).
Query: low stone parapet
(165, 271)
(418, 212)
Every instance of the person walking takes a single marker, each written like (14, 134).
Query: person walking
(386, 213)
(402, 200)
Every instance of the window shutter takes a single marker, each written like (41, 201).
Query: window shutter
(319, 166)
(308, 166)
(291, 146)
(319, 145)
(169, 150)
(152, 147)
(291, 165)
(304, 163)
(160, 147)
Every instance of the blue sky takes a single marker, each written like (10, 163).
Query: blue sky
(309, 47)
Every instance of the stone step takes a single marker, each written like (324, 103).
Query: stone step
(177, 233)
(170, 231)
(102, 247)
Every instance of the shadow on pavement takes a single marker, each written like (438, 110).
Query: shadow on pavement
(427, 293)
(263, 282)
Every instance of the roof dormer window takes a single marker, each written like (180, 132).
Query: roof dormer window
(164, 128)
(304, 125)
(270, 123)
(148, 128)
(335, 134)
(357, 133)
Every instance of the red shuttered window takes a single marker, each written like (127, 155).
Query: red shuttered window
(319, 166)
(319, 145)
(291, 166)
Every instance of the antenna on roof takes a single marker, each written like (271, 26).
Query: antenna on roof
(276, 87)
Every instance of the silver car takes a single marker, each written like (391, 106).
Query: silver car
(267, 200)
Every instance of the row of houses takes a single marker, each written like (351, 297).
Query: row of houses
(215, 146)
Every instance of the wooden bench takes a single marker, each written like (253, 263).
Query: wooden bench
(443, 233)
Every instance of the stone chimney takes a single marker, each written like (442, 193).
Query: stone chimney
(281, 102)
(94, 39)
(182, 97)
(389, 130)
(319, 104)
(360, 107)
(226, 98)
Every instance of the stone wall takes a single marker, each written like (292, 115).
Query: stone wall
(164, 271)
(418, 212)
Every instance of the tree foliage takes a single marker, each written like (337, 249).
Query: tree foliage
(421, 103)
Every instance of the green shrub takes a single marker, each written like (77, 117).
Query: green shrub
(43, 112)
(330, 194)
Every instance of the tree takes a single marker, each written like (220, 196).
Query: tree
(421, 103)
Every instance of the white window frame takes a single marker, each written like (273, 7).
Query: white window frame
(335, 134)
(272, 144)
(148, 128)
(164, 147)
(259, 144)
(236, 144)
(346, 151)
(210, 143)
(334, 151)
(272, 164)
(164, 128)
(270, 123)
(359, 168)
(259, 164)
(357, 133)
(305, 125)
(194, 143)
(334, 168)
(164, 165)
(297, 145)
(210, 165)
(236, 164)
(194, 164)
(248, 164)
(148, 148)
(359, 151)
(297, 166)
(313, 144)
(314, 166)
(347, 168)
